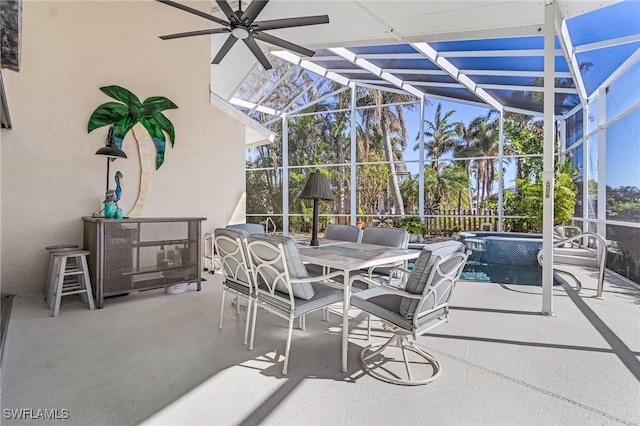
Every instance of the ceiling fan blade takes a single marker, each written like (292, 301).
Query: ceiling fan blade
(274, 24)
(228, 44)
(253, 10)
(226, 9)
(255, 49)
(194, 11)
(195, 33)
(268, 38)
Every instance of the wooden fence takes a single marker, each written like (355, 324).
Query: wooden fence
(448, 222)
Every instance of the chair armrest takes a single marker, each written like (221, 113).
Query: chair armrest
(315, 279)
(387, 289)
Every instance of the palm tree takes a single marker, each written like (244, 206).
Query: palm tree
(483, 133)
(123, 116)
(390, 124)
(442, 135)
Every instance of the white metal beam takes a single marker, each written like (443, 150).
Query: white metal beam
(436, 84)
(454, 72)
(567, 48)
(606, 43)
(495, 53)
(511, 73)
(374, 69)
(254, 106)
(311, 66)
(569, 90)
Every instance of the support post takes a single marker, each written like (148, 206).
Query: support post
(501, 171)
(421, 159)
(285, 175)
(354, 153)
(548, 154)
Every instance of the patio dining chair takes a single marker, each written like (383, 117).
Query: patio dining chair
(349, 233)
(410, 312)
(283, 284)
(231, 247)
(389, 237)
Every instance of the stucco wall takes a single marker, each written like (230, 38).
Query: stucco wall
(50, 175)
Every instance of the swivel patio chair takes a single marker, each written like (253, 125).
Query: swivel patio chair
(409, 313)
(283, 285)
(231, 247)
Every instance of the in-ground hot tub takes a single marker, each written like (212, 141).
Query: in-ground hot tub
(502, 257)
(503, 248)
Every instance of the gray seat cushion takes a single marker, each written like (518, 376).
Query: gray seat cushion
(342, 232)
(417, 281)
(386, 306)
(249, 228)
(323, 296)
(295, 265)
(390, 237)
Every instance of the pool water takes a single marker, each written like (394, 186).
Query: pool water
(502, 274)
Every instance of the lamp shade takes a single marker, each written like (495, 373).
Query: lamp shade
(111, 149)
(317, 186)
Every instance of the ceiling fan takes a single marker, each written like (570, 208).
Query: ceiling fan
(242, 25)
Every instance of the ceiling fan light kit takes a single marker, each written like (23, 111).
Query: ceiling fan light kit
(242, 25)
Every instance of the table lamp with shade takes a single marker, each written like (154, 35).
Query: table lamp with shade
(317, 188)
(111, 151)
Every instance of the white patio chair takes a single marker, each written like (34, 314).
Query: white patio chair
(283, 285)
(231, 246)
(409, 313)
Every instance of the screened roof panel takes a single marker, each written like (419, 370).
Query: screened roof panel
(507, 43)
(519, 81)
(603, 62)
(533, 101)
(426, 77)
(425, 63)
(453, 93)
(517, 65)
(383, 49)
(618, 20)
(513, 63)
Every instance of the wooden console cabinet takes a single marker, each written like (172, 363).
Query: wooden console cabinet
(142, 253)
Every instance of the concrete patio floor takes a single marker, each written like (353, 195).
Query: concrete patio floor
(155, 358)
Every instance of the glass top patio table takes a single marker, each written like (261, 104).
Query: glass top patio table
(347, 257)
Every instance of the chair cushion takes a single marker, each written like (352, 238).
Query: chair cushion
(390, 237)
(417, 281)
(242, 276)
(324, 295)
(342, 232)
(249, 228)
(386, 306)
(295, 265)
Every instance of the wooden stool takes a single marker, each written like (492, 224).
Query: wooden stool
(48, 287)
(70, 263)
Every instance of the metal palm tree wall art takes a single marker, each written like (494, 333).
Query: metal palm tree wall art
(129, 113)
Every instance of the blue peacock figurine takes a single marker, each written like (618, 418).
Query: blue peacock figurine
(118, 192)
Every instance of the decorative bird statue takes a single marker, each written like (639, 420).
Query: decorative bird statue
(118, 192)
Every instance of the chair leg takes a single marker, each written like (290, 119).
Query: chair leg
(87, 282)
(246, 326)
(368, 326)
(222, 307)
(286, 351)
(237, 305)
(59, 284)
(253, 325)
